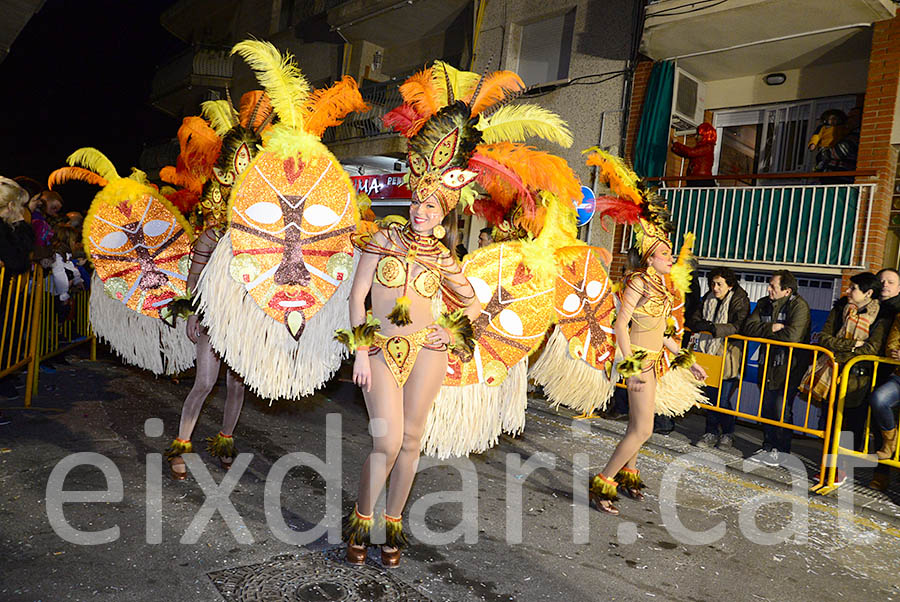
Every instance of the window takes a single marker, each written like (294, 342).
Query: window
(546, 48)
(771, 138)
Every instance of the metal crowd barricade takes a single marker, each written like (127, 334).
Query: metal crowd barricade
(836, 448)
(765, 347)
(56, 334)
(20, 298)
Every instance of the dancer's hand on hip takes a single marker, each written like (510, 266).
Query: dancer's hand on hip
(193, 328)
(362, 371)
(635, 384)
(438, 335)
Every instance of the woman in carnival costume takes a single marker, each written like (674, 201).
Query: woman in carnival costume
(647, 327)
(460, 130)
(210, 161)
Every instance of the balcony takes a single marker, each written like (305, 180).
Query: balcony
(716, 40)
(183, 82)
(382, 98)
(821, 226)
(812, 226)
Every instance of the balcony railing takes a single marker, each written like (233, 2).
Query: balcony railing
(382, 98)
(819, 225)
(195, 65)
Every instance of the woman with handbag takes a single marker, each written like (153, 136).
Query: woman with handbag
(852, 329)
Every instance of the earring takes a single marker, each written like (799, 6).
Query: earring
(651, 271)
(438, 231)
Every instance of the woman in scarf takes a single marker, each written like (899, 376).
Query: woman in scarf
(852, 329)
(721, 313)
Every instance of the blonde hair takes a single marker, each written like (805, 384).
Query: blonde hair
(13, 199)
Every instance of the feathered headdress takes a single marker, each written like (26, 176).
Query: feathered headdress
(462, 131)
(640, 207)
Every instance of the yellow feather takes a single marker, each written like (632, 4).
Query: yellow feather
(681, 273)
(559, 231)
(94, 160)
(219, 114)
(279, 75)
(516, 123)
(287, 143)
(462, 82)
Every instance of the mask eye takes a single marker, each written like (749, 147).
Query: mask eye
(511, 322)
(571, 304)
(456, 178)
(156, 227)
(320, 215)
(241, 159)
(264, 212)
(445, 149)
(225, 178)
(113, 240)
(417, 164)
(594, 289)
(482, 289)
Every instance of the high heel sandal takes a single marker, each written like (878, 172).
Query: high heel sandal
(176, 449)
(602, 492)
(355, 532)
(629, 479)
(395, 538)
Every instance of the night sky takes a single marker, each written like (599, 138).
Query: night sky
(79, 74)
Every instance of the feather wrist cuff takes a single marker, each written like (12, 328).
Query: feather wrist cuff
(361, 336)
(632, 365)
(357, 528)
(604, 488)
(179, 307)
(459, 326)
(393, 532)
(684, 359)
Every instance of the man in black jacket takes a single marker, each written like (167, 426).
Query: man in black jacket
(783, 316)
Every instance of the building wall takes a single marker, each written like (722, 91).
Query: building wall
(601, 44)
(813, 82)
(875, 149)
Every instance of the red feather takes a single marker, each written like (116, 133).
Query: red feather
(492, 212)
(490, 171)
(620, 210)
(403, 119)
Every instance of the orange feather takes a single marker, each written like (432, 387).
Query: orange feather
(248, 102)
(537, 170)
(419, 92)
(67, 174)
(328, 107)
(494, 89)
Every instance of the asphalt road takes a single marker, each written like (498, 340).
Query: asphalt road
(654, 550)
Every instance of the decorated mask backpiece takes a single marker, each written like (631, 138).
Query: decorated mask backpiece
(515, 315)
(141, 251)
(585, 306)
(238, 149)
(290, 231)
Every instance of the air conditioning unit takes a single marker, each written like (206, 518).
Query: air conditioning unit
(688, 100)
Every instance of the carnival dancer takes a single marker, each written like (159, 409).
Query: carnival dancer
(647, 328)
(211, 159)
(400, 349)
(280, 275)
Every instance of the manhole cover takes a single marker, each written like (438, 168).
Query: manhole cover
(312, 577)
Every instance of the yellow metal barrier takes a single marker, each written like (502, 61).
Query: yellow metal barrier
(765, 348)
(836, 448)
(58, 335)
(19, 310)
